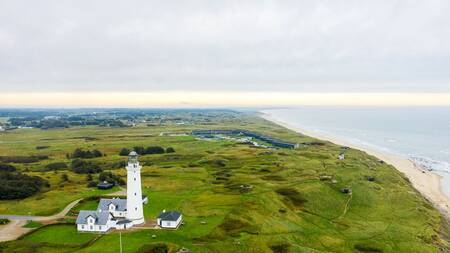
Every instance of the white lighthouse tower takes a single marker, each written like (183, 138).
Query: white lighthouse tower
(135, 211)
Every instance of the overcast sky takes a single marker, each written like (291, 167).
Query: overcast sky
(315, 46)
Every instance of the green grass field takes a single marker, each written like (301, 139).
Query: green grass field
(295, 203)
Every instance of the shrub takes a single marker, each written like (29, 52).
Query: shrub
(280, 248)
(55, 166)
(154, 248)
(292, 195)
(7, 167)
(124, 152)
(149, 150)
(111, 178)
(4, 221)
(79, 153)
(64, 177)
(170, 150)
(367, 248)
(22, 159)
(42, 147)
(15, 185)
(154, 150)
(83, 167)
(92, 184)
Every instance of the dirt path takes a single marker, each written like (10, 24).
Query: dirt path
(42, 218)
(14, 229)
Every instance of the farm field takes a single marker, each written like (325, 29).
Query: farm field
(234, 197)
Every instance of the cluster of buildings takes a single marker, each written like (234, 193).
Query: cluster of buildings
(274, 142)
(116, 213)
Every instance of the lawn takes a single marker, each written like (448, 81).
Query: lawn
(60, 234)
(294, 204)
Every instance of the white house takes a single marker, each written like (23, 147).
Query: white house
(171, 219)
(341, 157)
(117, 207)
(94, 221)
(117, 213)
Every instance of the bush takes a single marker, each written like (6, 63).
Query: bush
(111, 178)
(92, 184)
(64, 177)
(124, 152)
(15, 185)
(293, 195)
(7, 167)
(83, 167)
(156, 248)
(149, 150)
(22, 159)
(55, 166)
(42, 147)
(170, 150)
(154, 150)
(79, 153)
(280, 248)
(4, 221)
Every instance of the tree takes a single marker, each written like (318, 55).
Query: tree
(15, 185)
(83, 167)
(124, 152)
(170, 150)
(154, 150)
(7, 167)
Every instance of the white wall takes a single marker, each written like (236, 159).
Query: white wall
(170, 224)
(93, 228)
(135, 210)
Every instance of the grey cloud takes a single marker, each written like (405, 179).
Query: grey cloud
(336, 45)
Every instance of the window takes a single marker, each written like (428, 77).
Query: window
(134, 194)
(134, 179)
(91, 227)
(82, 226)
(100, 227)
(135, 208)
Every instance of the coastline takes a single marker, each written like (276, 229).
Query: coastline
(428, 183)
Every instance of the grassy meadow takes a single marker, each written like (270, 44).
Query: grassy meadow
(293, 203)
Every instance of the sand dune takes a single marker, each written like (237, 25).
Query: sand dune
(426, 182)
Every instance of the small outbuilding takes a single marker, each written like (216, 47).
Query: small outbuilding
(105, 186)
(171, 219)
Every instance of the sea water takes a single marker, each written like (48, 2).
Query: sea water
(420, 133)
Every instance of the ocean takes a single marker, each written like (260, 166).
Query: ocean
(419, 133)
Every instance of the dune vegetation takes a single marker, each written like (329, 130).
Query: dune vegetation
(234, 197)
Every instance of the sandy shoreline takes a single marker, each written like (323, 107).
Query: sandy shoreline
(426, 182)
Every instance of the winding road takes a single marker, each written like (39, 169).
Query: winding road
(14, 229)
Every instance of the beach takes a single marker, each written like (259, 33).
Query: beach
(428, 183)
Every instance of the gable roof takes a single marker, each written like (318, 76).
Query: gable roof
(170, 216)
(100, 217)
(121, 204)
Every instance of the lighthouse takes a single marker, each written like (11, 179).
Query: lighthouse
(135, 211)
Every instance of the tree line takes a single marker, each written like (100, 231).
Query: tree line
(15, 185)
(146, 150)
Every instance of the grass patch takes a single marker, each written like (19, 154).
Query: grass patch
(292, 195)
(65, 234)
(33, 224)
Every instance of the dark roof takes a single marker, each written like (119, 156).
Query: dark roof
(123, 222)
(105, 185)
(170, 216)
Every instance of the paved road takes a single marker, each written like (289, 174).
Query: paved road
(15, 229)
